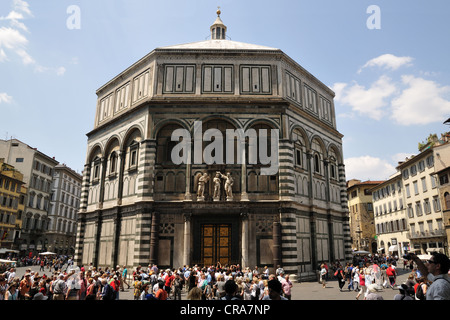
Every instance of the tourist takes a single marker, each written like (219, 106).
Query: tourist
(274, 291)
(362, 286)
(373, 293)
(161, 294)
(12, 293)
(392, 275)
(286, 285)
(436, 271)
(231, 289)
(420, 289)
(323, 276)
(195, 294)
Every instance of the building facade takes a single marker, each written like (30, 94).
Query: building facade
(422, 201)
(12, 205)
(442, 174)
(63, 211)
(140, 206)
(391, 222)
(361, 214)
(37, 169)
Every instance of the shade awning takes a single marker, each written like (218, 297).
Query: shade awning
(393, 248)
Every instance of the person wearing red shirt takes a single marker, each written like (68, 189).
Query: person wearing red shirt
(115, 284)
(392, 275)
(168, 283)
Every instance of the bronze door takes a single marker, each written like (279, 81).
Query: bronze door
(215, 244)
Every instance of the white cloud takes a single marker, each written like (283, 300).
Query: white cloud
(23, 6)
(12, 40)
(60, 71)
(388, 61)
(5, 98)
(368, 168)
(370, 102)
(422, 102)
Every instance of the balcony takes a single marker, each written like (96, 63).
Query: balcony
(427, 234)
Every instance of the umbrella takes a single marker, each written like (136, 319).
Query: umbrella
(361, 252)
(47, 253)
(7, 261)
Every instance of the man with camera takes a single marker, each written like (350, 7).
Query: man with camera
(436, 271)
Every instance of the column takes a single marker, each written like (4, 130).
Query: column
(121, 157)
(101, 196)
(187, 239)
(188, 195)
(98, 229)
(116, 239)
(244, 248)
(154, 237)
(244, 195)
(276, 236)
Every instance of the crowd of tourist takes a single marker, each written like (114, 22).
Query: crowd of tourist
(147, 283)
(368, 275)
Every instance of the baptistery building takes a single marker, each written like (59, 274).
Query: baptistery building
(214, 152)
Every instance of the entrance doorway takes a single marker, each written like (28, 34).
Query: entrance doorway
(215, 244)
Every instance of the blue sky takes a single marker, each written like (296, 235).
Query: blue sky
(392, 84)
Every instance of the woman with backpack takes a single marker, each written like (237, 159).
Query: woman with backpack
(420, 289)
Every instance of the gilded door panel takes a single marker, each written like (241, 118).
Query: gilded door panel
(216, 243)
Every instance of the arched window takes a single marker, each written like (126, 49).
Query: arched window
(113, 163)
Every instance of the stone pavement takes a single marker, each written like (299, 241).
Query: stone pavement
(300, 291)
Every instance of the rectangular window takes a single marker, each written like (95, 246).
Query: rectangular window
(424, 185)
(443, 179)
(418, 209)
(433, 182)
(217, 79)
(255, 79)
(141, 86)
(298, 157)
(436, 204)
(426, 206)
(416, 188)
(105, 108)
(310, 99)
(408, 194)
(122, 98)
(293, 85)
(410, 211)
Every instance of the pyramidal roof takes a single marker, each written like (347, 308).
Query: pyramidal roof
(217, 45)
(218, 41)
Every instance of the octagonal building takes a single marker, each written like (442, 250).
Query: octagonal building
(139, 206)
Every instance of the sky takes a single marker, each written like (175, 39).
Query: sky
(387, 61)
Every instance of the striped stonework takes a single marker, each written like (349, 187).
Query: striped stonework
(344, 205)
(80, 241)
(142, 239)
(289, 242)
(147, 153)
(85, 188)
(285, 169)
